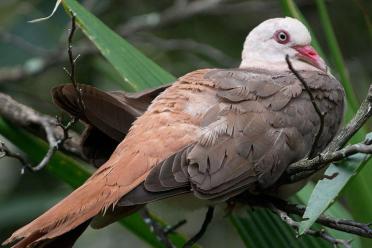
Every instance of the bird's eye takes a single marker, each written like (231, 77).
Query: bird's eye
(281, 36)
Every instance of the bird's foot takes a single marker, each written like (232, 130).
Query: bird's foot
(159, 230)
(203, 229)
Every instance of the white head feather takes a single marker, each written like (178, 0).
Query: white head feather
(261, 49)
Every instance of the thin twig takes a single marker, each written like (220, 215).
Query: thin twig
(66, 128)
(45, 122)
(72, 60)
(28, 118)
(321, 233)
(53, 145)
(316, 163)
(203, 229)
(172, 229)
(6, 152)
(156, 228)
(343, 225)
(315, 105)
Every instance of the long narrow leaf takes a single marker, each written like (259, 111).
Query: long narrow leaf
(336, 211)
(320, 199)
(336, 54)
(261, 228)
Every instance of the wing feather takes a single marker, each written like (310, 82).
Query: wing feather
(259, 125)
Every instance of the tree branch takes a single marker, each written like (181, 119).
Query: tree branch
(343, 225)
(72, 60)
(42, 125)
(26, 117)
(321, 233)
(156, 228)
(326, 158)
(6, 152)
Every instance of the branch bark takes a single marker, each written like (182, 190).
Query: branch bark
(317, 233)
(38, 124)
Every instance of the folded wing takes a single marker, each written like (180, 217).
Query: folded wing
(261, 122)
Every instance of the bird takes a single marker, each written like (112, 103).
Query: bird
(212, 134)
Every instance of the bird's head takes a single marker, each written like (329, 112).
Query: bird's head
(270, 42)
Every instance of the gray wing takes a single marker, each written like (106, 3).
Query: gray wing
(261, 124)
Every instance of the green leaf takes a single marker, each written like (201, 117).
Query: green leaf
(137, 71)
(336, 211)
(321, 199)
(261, 228)
(336, 54)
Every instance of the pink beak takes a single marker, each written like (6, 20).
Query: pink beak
(309, 55)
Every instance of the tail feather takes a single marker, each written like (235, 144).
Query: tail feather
(66, 240)
(127, 167)
(100, 192)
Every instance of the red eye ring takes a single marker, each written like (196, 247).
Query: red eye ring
(281, 36)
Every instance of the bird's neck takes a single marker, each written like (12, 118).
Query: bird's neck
(277, 65)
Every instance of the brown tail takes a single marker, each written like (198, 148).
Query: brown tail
(68, 239)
